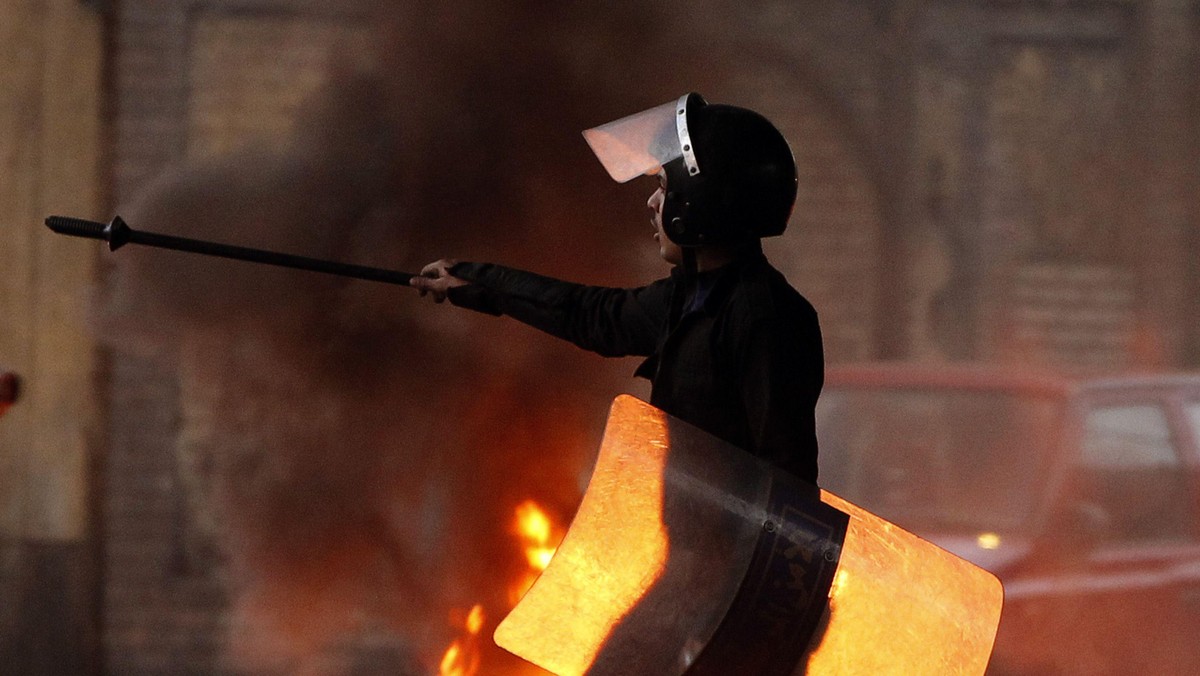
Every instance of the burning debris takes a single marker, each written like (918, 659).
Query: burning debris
(537, 537)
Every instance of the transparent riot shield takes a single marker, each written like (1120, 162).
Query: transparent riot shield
(688, 555)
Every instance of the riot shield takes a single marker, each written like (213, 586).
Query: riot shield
(688, 555)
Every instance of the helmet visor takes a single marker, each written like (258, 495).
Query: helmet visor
(641, 143)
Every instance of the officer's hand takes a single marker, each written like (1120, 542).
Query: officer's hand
(436, 280)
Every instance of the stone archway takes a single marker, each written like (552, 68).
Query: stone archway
(830, 252)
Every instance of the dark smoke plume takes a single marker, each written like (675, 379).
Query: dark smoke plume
(352, 451)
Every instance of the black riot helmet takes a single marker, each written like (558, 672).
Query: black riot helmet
(730, 173)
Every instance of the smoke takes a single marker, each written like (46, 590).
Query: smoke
(353, 451)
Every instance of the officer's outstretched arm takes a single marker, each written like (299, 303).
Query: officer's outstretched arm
(609, 321)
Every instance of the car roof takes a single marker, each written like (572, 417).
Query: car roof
(984, 376)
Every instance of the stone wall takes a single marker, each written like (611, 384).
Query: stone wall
(50, 155)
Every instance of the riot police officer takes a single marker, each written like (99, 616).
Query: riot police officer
(730, 346)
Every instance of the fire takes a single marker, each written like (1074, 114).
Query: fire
(462, 657)
(539, 540)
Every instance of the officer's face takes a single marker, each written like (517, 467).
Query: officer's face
(669, 250)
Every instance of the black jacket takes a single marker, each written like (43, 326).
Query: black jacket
(739, 355)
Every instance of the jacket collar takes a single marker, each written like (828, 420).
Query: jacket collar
(719, 282)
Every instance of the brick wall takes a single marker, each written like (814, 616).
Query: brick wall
(158, 618)
(1080, 317)
(191, 81)
(248, 75)
(163, 609)
(1164, 124)
(1052, 137)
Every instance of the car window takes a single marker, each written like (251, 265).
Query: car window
(937, 459)
(1134, 482)
(1193, 417)
(1133, 437)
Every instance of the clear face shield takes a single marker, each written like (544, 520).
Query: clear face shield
(640, 144)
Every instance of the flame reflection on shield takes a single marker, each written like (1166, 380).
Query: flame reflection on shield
(662, 546)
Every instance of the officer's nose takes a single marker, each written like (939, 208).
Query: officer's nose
(655, 201)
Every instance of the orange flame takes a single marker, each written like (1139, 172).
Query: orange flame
(462, 657)
(538, 539)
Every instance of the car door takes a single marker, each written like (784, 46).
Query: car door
(1189, 582)
(1119, 605)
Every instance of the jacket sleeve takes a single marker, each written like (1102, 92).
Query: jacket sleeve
(612, 322)
(781, 374)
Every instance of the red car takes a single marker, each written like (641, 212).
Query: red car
(1081, 495)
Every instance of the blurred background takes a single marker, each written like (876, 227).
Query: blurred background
(215, 467)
